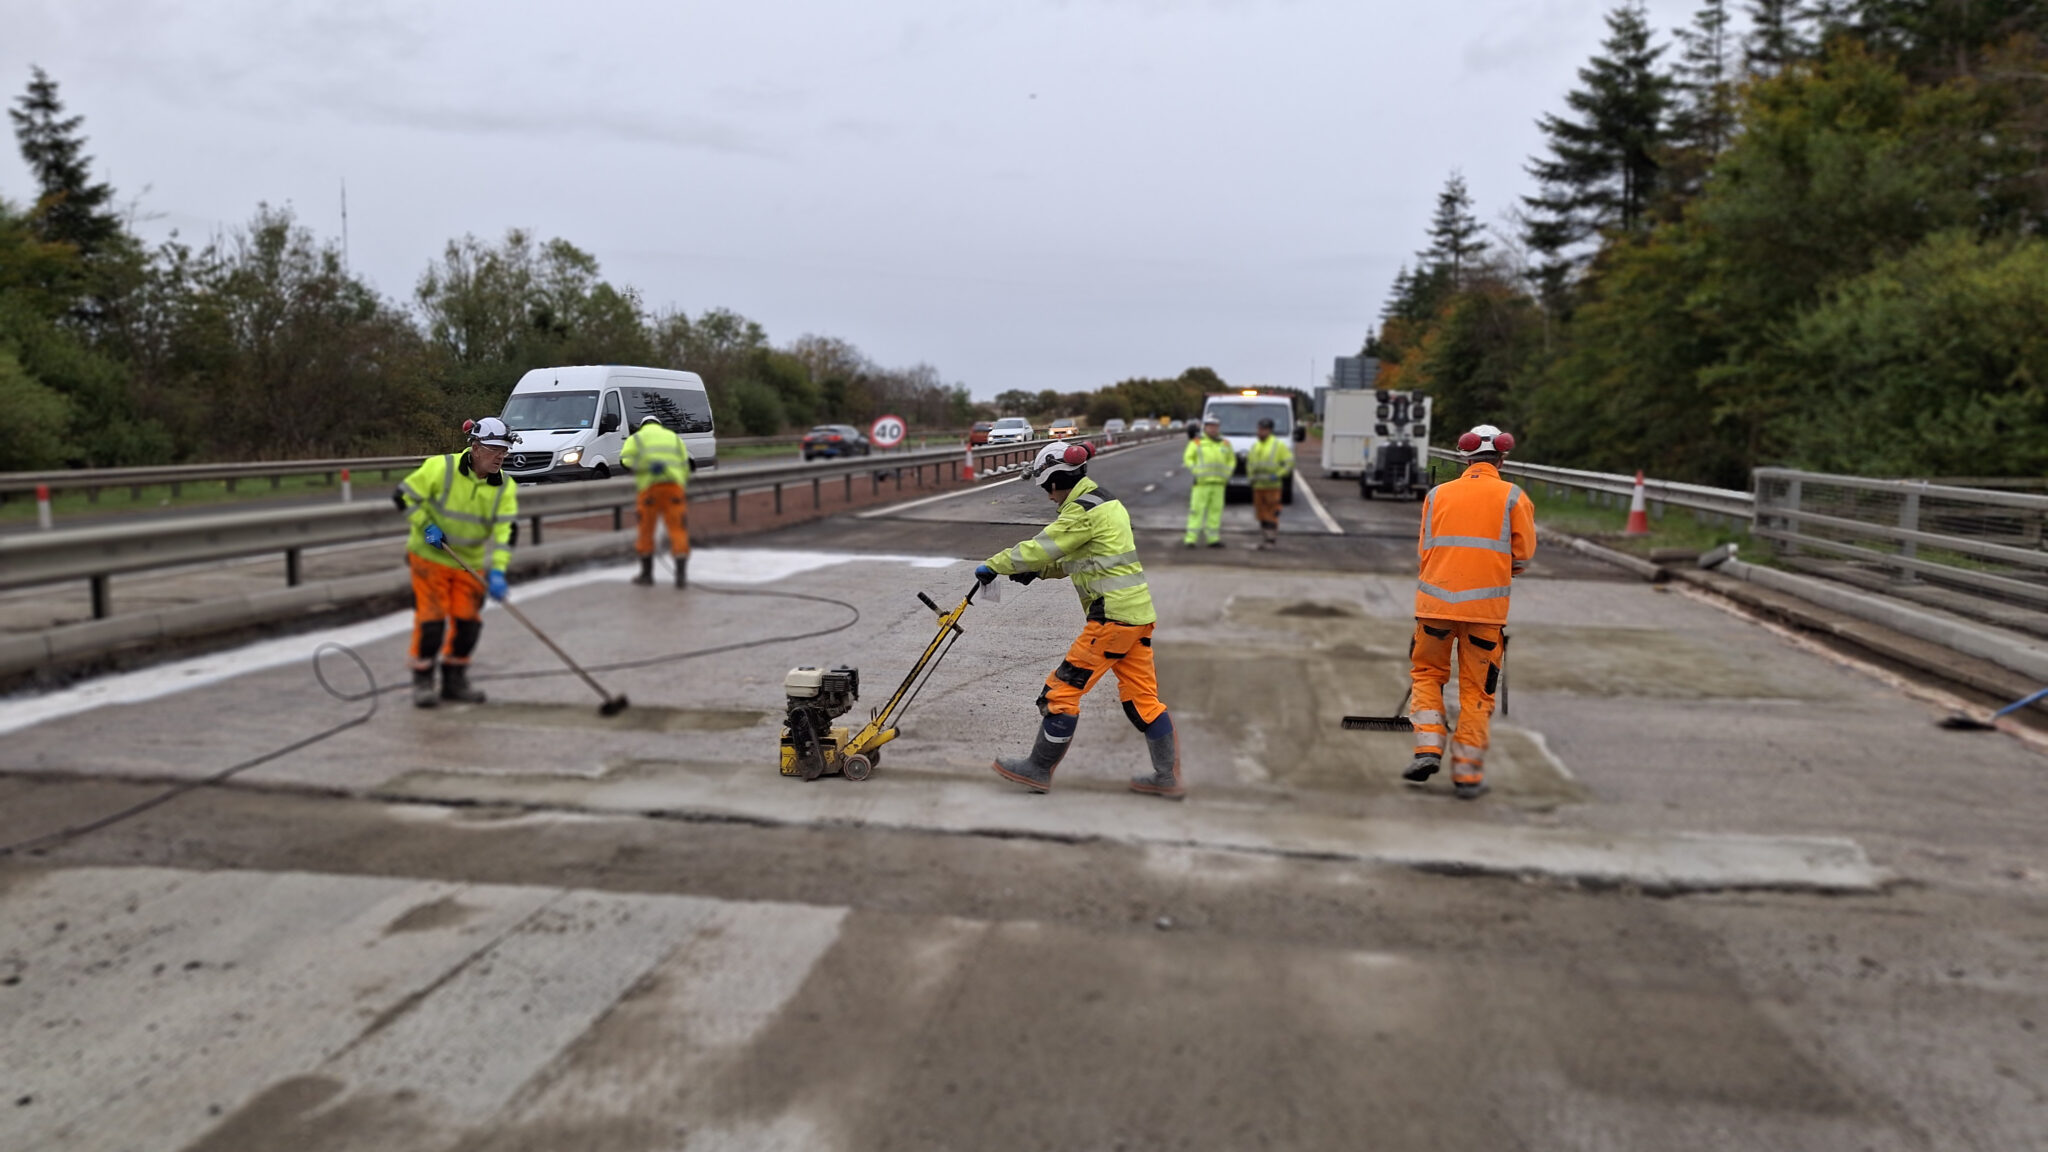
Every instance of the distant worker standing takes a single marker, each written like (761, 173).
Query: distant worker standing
(462, 508)
(1210, 460)
(661, 471)
(1478, 534)
(1090, 542)
(1268, 465)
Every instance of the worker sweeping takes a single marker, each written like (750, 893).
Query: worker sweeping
(1090, 543)
(1210, 461)
(1478, 534)
(1268, 465)
(463, 511)
(661, 471)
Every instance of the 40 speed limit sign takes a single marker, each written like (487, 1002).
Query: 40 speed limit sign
(887, 431)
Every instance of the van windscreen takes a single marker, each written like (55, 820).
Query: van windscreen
(1240, 419)
(550, 411)
(678, 409)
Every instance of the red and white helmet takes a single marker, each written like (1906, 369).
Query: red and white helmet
(1485, 438)
(1061, 465)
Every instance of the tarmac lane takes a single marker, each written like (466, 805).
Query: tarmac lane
(1716, 900)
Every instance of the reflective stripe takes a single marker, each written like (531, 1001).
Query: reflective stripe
(1427, 717)
(1052, 739)
(1507, 515)
(1468, 753)
(1429, 741)
(1114, 583)
(1100, 563)
(1479, 542)
(1053, 551)
(1467, 596)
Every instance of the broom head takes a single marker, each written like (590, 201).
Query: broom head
(1378, 724)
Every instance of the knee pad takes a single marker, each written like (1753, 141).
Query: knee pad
(466, 633)
(1161, 725)
(1060, 726)
(1070, 675)
(431, 634)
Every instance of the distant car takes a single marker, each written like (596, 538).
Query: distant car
(1141, 426)
(1010, 430)
(1176, 426)
(835, 440)
(979, 434)
(1064, 429)
(1112, 427)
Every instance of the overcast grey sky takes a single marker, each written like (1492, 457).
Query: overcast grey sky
(1024, 194)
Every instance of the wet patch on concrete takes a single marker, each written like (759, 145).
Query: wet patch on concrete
(443, 913)
(1281, 710)
(637, 718)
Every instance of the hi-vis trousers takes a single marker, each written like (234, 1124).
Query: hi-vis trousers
(1479, 653)
(443, 595)
(1205, 511)
(663, 503)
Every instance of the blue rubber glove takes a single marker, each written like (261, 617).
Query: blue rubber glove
(497, 585)
(985, 574)
(435, 535)
(1023, 577)
(657, 468)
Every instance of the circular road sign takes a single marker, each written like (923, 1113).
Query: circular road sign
(887, 431)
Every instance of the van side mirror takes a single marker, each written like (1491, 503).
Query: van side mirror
(1300, 433)
(609, 422)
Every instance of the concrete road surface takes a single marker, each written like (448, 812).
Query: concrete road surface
(1730, 892)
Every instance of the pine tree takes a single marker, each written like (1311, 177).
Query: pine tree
(1775, 37)
(1399, 297)
(70, 208)
(1454, 235)
(1705, 112)
(1602, 167)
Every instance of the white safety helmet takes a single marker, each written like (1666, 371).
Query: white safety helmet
(646, 420)
(1061, 465)
(1485, 438)
(491, 432)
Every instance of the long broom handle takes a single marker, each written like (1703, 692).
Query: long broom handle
(535, 629)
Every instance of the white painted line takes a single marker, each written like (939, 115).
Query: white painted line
(889, 509)
(709, 565)
(1316, 506)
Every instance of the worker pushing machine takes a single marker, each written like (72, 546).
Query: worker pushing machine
(1268, 465)
(1090, 543)
(464, 510)
(661, 471)
(1210, 460)
(1478, 534)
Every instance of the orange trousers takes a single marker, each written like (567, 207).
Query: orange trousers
(1479, 653)
(1266, 506)
(1126, 650)
(443, 593)
(669, 504)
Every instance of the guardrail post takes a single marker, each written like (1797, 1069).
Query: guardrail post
(291, 567)
(1794, 492)
(778, 497)
(230, 483)
(99, 598)
(618, 517)
(817, 502)
(1909, 519)
(733, 505)
(536, 530)
(276, 482)
(849, 487)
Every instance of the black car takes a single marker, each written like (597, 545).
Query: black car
(835, 440)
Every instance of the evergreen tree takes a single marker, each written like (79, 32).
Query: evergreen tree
(1705, 111)
(1454, 235)
(70, 208)
(1775, 37)
(1602, 167)
(1399, 297)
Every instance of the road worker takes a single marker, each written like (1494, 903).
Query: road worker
(1268, 465)
(1210, 460)
(1090, 543)
(464, 510)
(1478, 533)
(661, 471)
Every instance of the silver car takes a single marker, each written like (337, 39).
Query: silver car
(1010, 430)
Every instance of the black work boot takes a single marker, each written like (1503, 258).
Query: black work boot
(682, 571)
(1035, 771)
(1165, 778)
(1422, 767)
(423, 688)
(1471, 789)
(646, 575)
(455, 685)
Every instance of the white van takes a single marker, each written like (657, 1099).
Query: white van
(1240, 413)
(572, 421)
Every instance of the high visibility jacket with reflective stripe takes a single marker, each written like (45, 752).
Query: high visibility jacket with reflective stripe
(476, 515)
(651, 444)
(1090, 543)
(1478, 534)
(1269, 462)
(1210, 461)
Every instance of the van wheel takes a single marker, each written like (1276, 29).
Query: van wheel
(602, 472)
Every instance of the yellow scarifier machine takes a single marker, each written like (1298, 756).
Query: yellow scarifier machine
(813, 747)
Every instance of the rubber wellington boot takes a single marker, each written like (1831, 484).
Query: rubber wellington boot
(1422, 767)
(1035, 771)
(423, 688)
(1471, 789)
(1165, 777)
(646, 575)
(455, 685)
(682, 571)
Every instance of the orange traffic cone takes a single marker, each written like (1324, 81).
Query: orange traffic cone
(1638, 511)
(967, 469)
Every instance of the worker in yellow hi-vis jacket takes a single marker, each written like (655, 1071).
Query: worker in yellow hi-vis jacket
(1210, 461)
(661, 471)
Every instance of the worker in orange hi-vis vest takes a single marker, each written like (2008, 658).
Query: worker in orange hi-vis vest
(1478, 534)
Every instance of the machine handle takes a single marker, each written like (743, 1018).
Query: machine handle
(928, 602)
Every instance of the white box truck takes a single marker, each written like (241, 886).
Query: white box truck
(1347, 431)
